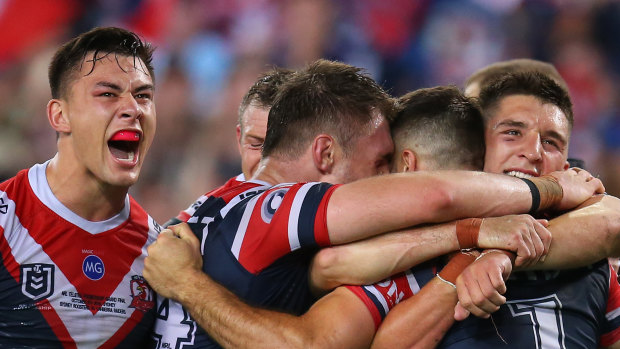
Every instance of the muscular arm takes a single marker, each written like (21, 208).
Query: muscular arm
(173, 269)
(585, 235)
(420, 321)
(375, 205)
(371, 260)
(338, 320)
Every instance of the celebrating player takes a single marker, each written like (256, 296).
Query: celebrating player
(325, 126)
(72, 241)
(528, 119)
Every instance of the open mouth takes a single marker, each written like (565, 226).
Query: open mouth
(124, 145)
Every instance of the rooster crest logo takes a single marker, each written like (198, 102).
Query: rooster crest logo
(141, 293)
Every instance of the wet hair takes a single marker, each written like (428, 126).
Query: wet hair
(100, 43)
(325, 97)
(442, 124)
(485, 76)
(535, 84)
(263, 91)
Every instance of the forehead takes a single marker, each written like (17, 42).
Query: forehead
(254, 116)
(530, 112)
(114, 66)
(378, 142)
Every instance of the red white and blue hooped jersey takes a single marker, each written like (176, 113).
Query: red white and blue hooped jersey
(257, 240)
(576, 308)
(68, 282)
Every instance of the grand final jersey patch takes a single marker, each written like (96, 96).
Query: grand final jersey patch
(37, 280)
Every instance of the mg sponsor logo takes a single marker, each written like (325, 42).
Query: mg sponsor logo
(93, 267)
(37, 280)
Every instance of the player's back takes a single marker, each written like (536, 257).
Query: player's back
(257, 241)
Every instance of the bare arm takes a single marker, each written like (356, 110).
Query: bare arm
(371, 260)
(585, 235)
(422, 320)
(375, 205)
(173, 269)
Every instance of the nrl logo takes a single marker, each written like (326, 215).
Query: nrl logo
(37, 280)
(141, 293)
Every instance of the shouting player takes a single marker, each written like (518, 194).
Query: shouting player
(72, 241)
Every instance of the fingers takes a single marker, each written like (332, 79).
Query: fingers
(481, 296)
(545, 235)
(460, 313)
(184, 232)
(595, 183)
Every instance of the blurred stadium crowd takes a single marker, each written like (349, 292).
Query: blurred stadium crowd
(210, 51)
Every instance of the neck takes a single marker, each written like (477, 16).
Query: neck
(77, 189)
(275, 170)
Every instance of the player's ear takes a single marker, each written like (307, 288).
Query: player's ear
(409, 161)
(323, 153)
(57, 116)
(239, 137)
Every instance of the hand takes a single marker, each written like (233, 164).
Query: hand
(172, 260)
(481, 286)
(578, 186)
(522, 234)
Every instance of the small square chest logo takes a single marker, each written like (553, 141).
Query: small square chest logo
(37, 280)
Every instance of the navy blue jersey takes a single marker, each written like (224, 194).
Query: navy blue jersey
(257, 241)
(575, 308)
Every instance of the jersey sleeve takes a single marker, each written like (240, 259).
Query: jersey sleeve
(611, 328)
(184, 215)
(281, 220)
(382, 297)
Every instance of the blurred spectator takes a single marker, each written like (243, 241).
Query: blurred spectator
(210, 52)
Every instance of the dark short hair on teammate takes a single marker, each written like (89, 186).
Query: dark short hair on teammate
(485, 76)
(89, 47)
(536, 85)
(263, 91)
(442, 125)
(325, 97)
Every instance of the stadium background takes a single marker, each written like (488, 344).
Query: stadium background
(210, 51)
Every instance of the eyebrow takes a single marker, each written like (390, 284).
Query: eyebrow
(522, 125)
(116, 87)
(511, 123)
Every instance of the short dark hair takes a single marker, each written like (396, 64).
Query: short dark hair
(325, 97)
(263, 91)
(443, 123)
(68, 60)
(485, 76)
(533, 84)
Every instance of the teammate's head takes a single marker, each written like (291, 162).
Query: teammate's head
(485, 76)
(102, 106)
(437, 129)
(253, 113)
(338, 112)
(528, 120)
